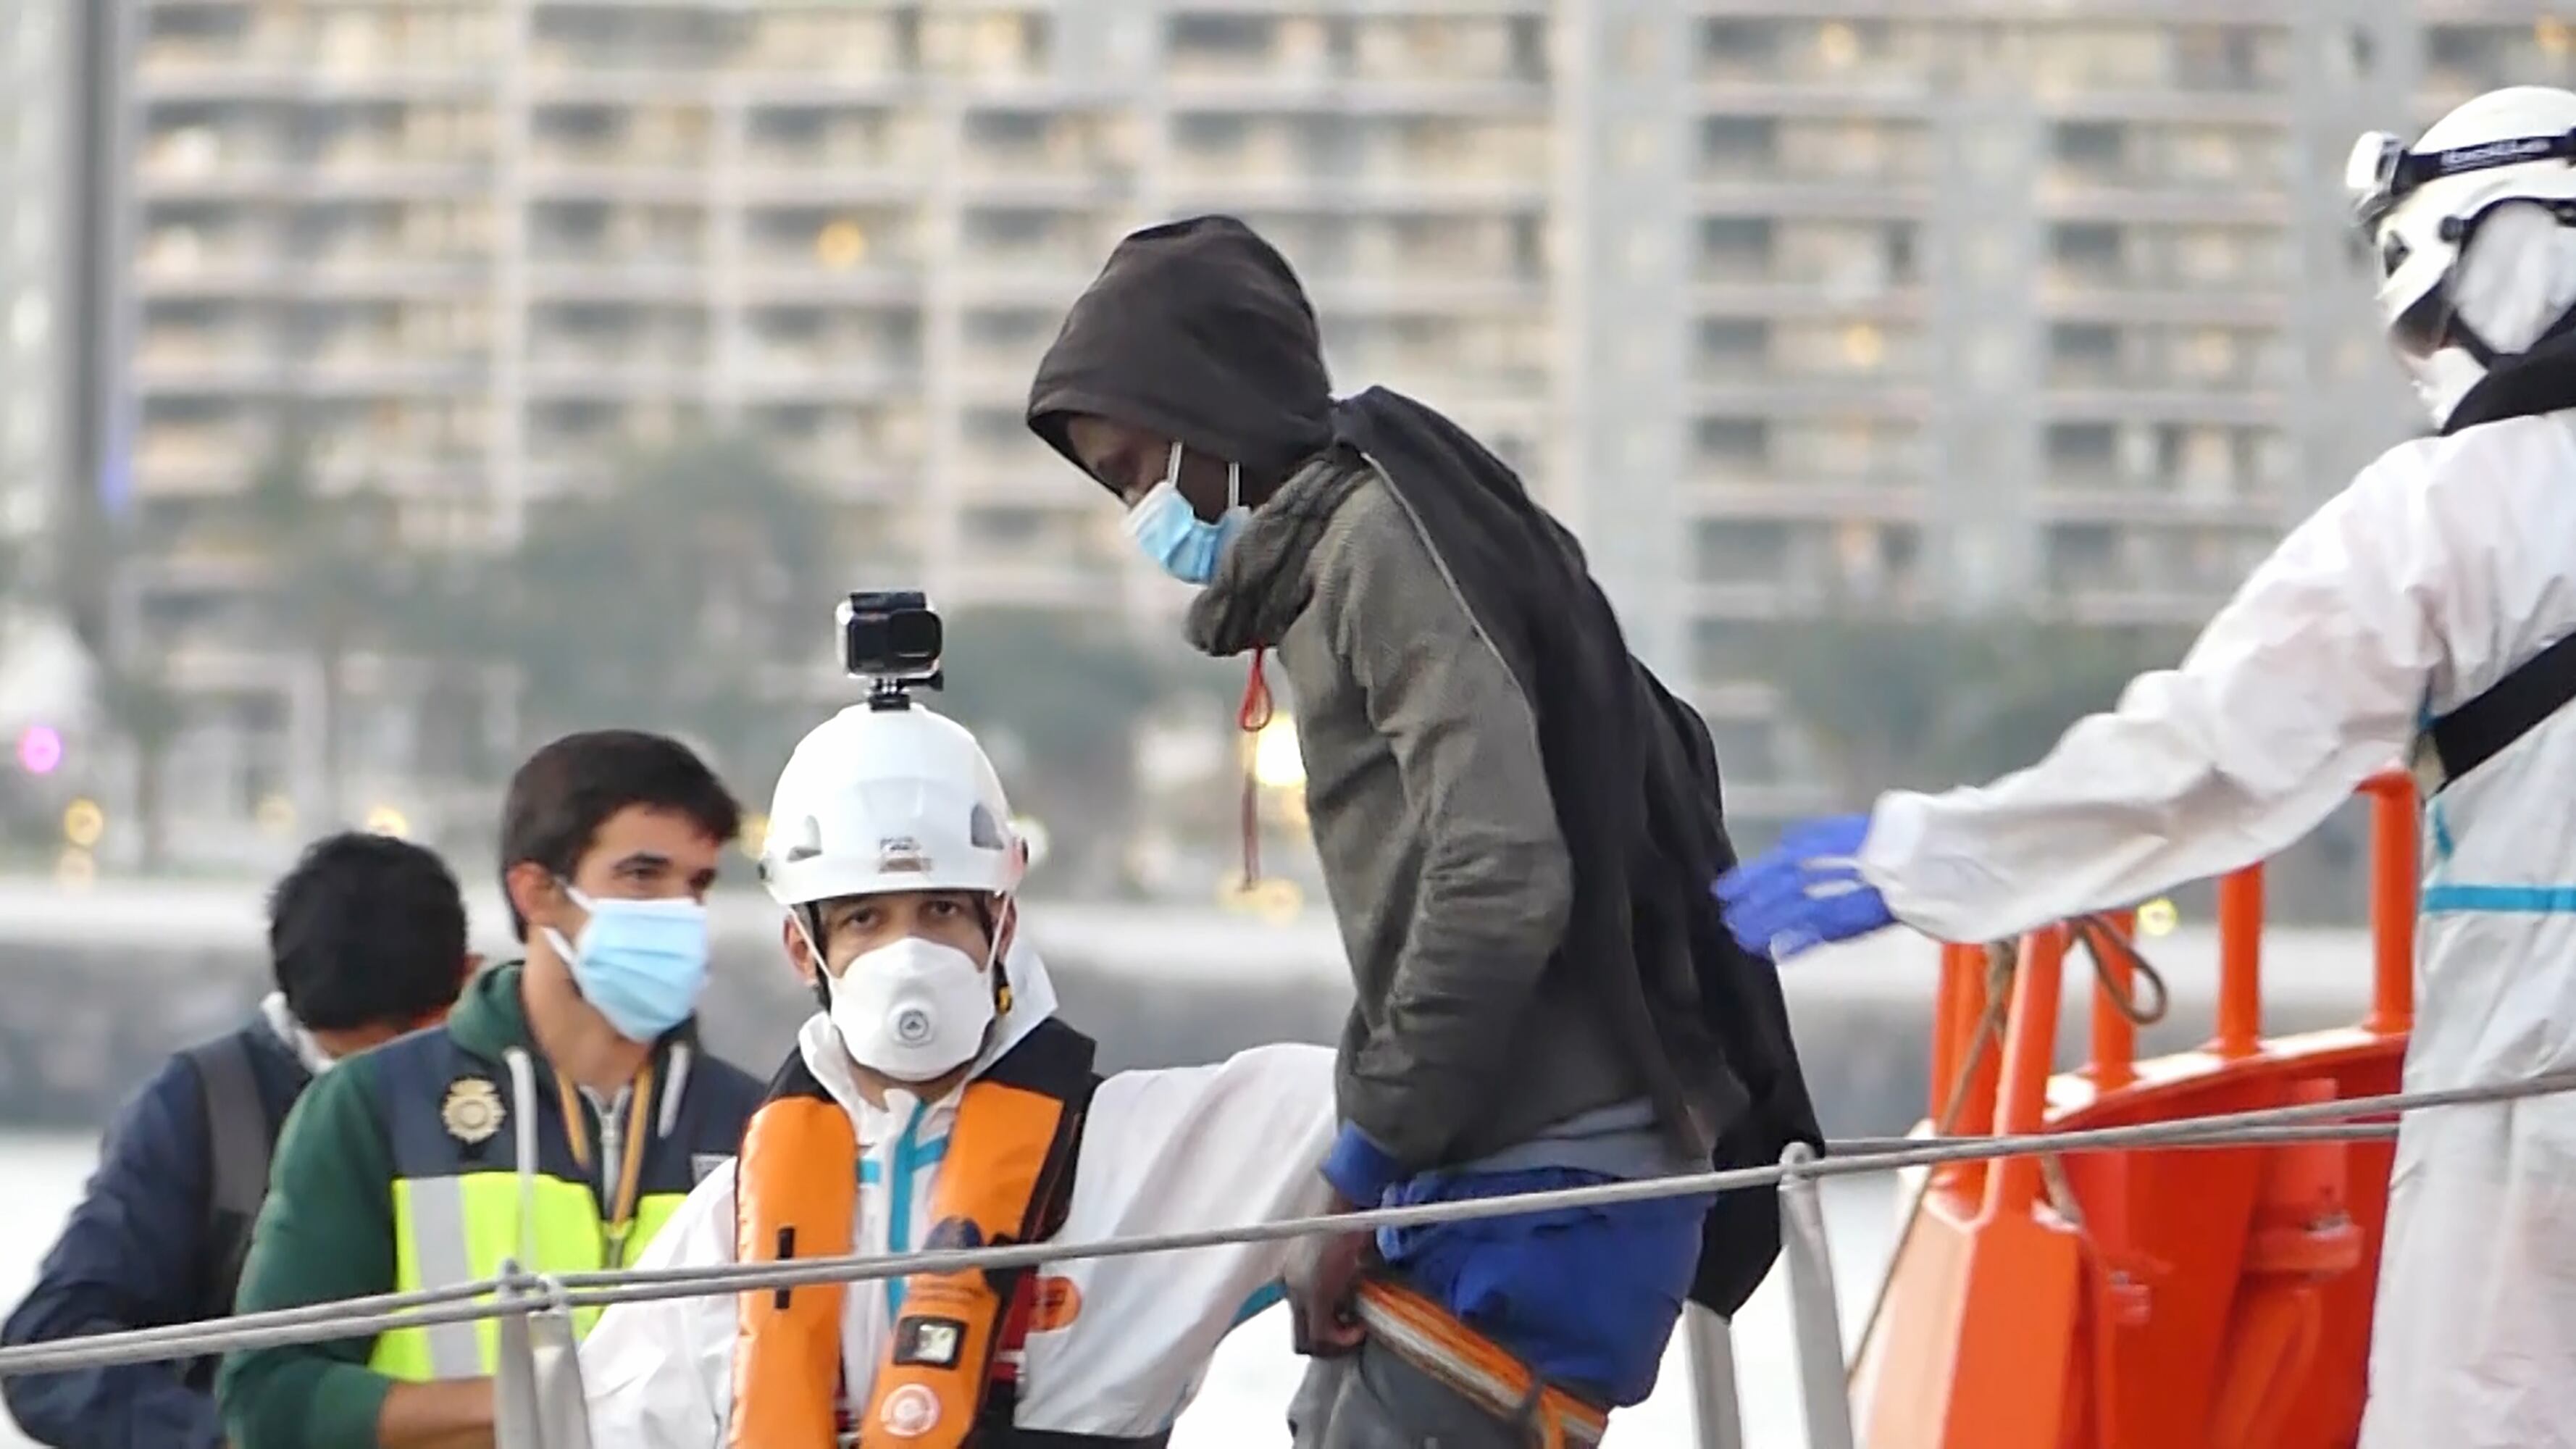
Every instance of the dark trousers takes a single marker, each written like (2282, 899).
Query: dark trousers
(1371, 1399)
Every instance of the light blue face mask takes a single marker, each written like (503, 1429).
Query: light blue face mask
(643, 964)
(1173, 535)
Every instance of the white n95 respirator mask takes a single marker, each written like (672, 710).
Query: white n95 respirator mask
(913, 1009)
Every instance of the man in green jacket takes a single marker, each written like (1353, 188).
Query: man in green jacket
(574, 1078)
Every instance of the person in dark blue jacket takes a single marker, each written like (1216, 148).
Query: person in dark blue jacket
(367, 938)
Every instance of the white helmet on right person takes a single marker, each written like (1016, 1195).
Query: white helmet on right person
(877, 800)
(2473, 229)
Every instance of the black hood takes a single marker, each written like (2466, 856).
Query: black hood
(1198, 331)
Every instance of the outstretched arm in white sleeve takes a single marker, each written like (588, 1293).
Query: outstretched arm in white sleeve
(2306, 683)
(1219, 1146)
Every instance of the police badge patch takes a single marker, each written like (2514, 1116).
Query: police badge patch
(472, 1112)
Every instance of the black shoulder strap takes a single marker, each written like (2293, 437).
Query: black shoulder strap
(239, 1142)
(2510, 708)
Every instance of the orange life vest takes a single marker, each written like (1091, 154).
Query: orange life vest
(947, 1377)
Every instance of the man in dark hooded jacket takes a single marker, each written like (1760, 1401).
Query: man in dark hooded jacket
(1516, 824)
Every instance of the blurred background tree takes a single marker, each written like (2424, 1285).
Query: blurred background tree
(1059, 703)
(1890, 703)
(681, 598)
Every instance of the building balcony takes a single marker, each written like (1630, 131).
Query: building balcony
(264, 47)
(770, 379)
(772, 279)
(1337, 94)
(1875, 396)
(391, 364)
(2252, 366)
(1793, 291)
(2224, 406)
(1071, 187)
(1463, 292)
(2165, 204)
(2071, 296)
(1737, 183)
(2136, 507)
(632, 382)
(873, 53)
(425, 77)
(2162, 106)
(262, 371)
(617, 184)
(1210, 186)
(560, 348)
(770, 183)
(173, 459)
(563, 278)
(1893, 498)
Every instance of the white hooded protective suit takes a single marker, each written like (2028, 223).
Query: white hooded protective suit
(2443, 566)
(1162, 1151)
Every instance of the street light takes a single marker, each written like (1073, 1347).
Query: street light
(83, 824)
(276, 815)
(40, 750)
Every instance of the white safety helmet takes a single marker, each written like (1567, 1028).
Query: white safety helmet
(883, 799)
(2420, 206)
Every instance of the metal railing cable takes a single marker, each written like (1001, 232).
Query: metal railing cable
(361, 1317)
(2215, 1130)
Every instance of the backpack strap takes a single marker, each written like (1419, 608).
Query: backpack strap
(2504, 712)
(239, 1142)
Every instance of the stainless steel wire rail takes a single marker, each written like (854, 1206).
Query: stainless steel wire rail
(537, 1347)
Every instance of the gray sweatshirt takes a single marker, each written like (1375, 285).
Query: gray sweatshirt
(1439, 842)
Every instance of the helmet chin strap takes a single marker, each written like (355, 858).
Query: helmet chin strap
(809, 924)
(995, 917)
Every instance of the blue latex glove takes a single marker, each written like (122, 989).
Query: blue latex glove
(1803, 892)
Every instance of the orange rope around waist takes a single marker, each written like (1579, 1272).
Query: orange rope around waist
(1426, 1336)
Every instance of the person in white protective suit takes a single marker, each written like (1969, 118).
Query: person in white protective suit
(2389, 621)
(937, 1101)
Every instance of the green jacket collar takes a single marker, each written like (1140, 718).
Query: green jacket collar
(491, 1017)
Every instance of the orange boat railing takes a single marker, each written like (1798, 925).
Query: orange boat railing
(2197, 1298)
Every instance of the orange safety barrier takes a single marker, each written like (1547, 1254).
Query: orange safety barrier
(2214, 1297)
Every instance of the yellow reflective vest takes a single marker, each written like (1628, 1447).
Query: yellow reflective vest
(505, 1162)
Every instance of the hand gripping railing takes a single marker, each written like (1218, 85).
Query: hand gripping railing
(522, 1296)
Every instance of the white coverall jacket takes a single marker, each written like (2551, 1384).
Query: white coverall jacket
(1162, 1151)
(2445, 564)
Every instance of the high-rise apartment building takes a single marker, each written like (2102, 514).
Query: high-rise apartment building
(1992, 303)
(37, 41)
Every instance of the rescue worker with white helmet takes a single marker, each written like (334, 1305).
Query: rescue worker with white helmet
(2430, 607)
(937, 1101)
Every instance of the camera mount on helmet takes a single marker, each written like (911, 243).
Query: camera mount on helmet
(891, 638)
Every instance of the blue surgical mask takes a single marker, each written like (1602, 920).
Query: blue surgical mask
(642, 964)
(1172, 533)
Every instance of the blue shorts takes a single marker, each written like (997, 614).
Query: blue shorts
(1586, 1297)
